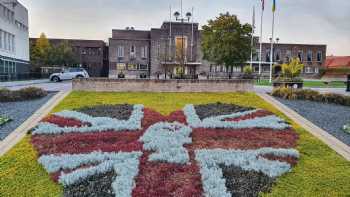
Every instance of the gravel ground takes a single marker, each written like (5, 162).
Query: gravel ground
(19, 112)
(329, 117)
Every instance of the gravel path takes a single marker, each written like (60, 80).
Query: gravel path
(19, 112)
(329, 117)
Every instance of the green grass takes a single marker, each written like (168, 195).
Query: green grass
(320, 171)
(311, 84)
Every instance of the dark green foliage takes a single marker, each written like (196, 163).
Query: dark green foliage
(4, 120)
(244, 183)
(121, 112)
(226, 41)
(217, 109)
(96, 185)
(311, 95)
(22, 94)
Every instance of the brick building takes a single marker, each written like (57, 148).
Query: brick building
(155, 53)
(90, 54)
(312, 56)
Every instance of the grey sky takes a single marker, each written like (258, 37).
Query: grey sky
(297, 21)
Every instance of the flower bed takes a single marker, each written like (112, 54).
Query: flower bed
(200, 150)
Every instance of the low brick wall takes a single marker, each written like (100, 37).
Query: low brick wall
(153, 85)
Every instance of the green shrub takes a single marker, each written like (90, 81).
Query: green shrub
(30, 93)
(311, 95)
(248, 70)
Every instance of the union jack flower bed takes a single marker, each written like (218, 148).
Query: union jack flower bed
(128, 150)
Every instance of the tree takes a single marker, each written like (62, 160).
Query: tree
(225, 41)
(62, 55)
(39, 52)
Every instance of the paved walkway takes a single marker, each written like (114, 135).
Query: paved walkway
(44, 84)
(321, 134)
(267, 89)
(16, 136)
(23, 83)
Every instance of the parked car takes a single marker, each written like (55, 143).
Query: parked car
(69, 74)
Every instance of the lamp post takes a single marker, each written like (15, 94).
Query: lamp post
(272, 55)
(187, 18)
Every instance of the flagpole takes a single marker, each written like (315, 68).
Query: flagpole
(252, 42)
(261, 39)
(272, 42)
(170, 33)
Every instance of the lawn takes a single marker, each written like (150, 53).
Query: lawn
(311, 84)
(319, 172)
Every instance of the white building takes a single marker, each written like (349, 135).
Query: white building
(14, 39)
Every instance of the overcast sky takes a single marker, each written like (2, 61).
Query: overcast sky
(297, 21)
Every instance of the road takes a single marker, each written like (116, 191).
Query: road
(44, 84)
(67, 85)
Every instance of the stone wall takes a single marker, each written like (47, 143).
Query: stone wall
(154, 85)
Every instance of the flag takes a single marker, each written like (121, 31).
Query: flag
(263, 4)
(274, 6)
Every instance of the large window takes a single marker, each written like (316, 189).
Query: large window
(300, 56)
(309, 56)
(2, 66)
(7, 41)
(288, 55)
(319, 56)
(120, 51)
(278, 55)
(133, 51)
(268, 53)
(144, 52)
(181, 46)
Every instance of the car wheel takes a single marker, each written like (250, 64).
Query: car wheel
(79, 77)
(56, 79)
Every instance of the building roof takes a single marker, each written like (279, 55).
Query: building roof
(337, 61)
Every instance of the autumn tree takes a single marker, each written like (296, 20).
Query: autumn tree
(225, 41)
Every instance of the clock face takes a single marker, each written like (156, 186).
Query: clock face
(129, 150)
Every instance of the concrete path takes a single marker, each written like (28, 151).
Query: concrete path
(321, 134)
(16, 136)
(266, 89)
(23, 83)
(44, 84)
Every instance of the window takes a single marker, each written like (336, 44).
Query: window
(224, 69)
(143, 67)
(300, 56)
(278, 55)
(2, 66)
(132, 51)
(0, 39)
(120, 51)
(121, 66)
(288, 55)
(319, 56)
(144, 52)
(309, 56)
(317, 70)
(132, 67)
(308, 69)
(268, 55)
(236, 69)
(218, 68)
(181, 46)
